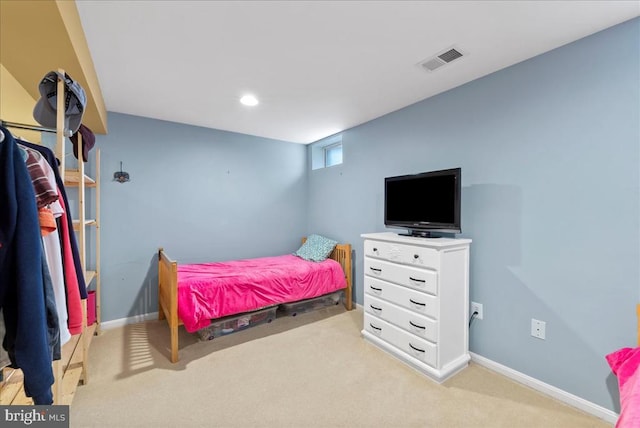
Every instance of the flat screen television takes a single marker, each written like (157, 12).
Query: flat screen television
(424, 203)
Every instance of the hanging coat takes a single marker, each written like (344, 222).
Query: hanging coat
(21, 283)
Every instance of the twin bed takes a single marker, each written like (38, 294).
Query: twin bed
(195, 294)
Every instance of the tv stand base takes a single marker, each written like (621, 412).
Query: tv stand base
(419, 234)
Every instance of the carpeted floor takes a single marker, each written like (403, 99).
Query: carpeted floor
(312, 370)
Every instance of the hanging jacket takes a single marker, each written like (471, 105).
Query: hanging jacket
(21, 283)
(74, 303)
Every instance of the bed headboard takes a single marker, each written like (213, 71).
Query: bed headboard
(342, 254)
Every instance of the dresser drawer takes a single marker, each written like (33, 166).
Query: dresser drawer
(412, 322)
(415, 301)
(416, 347)
(420, 279)
(400, 253)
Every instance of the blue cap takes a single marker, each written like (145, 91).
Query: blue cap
(46, 108)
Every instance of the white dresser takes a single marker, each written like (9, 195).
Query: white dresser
(416, 300)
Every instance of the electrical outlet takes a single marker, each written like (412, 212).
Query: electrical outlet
(476, 307)
(538, 328)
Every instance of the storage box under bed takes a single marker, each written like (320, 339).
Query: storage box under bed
(308, 305)
(233, 323)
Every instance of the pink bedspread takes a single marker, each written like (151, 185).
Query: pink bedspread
(213, 290)
(625, 364)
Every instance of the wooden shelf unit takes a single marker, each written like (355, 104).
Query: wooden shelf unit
(72, 178)
(73, 368)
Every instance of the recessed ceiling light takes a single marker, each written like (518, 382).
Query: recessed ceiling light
(249, 100)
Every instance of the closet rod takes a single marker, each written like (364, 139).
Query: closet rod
(32, 127)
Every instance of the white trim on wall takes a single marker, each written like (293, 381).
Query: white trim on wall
(552, 391)
(108, 325)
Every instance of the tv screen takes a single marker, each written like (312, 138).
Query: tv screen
(424, 203)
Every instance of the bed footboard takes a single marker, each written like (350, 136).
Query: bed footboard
(168, 298)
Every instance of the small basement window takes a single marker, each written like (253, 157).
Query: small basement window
(326, 153)
(333, 154)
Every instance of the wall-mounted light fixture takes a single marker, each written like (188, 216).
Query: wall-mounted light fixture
(121, 176)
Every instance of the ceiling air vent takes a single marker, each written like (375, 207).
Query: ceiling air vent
(441, 59)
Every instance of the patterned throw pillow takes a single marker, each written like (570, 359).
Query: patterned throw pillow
(317, 248)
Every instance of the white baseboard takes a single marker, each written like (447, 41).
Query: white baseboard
(552, 391)
(129, 320)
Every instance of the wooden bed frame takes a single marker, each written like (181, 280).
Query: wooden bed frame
(168, 289)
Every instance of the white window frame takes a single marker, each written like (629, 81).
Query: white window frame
(320, 152)
(327, 149)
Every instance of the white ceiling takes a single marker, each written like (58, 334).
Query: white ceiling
(317, 67)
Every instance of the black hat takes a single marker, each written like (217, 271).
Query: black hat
(88, 141)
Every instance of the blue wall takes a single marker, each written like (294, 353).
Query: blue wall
(202, 194)
(550, 157)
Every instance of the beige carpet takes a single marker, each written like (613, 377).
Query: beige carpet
(312, 370)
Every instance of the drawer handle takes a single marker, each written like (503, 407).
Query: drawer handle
(375, 309)
(375, 250)
(417, 303)
(375, 328)
(375, 269)
(374, 288)
(416, 280)
(416, 349)
(418, 326)
(416, 256)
